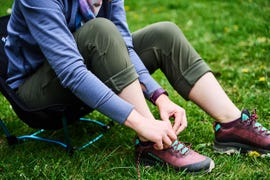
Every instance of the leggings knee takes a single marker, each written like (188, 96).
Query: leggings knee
(168, 32)
(104, 27)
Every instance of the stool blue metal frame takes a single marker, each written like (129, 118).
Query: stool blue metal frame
(12, 140)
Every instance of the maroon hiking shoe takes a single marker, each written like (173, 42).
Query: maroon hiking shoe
(179, 156)
(245, 135)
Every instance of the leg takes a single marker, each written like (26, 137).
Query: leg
(205, 92)
(163, 46)
(184, 68)
(43, 88)
(157, 46)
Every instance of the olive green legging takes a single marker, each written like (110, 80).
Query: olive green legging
(160, 45)
(163, 46)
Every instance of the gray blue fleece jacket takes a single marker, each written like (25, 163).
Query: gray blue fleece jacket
(43, 29)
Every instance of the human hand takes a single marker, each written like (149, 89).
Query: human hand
(168, 109)
(159, 132)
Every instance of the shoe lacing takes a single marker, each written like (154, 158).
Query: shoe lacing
(253, 120)
(179, 149)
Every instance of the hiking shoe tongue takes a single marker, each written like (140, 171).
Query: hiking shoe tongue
(245, 115)
(179, 156)
(245, 135)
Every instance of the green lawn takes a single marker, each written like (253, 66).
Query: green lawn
(232, 36)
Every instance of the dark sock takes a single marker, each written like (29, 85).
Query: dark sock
(230, 124)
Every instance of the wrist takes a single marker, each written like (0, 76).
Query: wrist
(133, 120)
(156, 94)
(162, 99)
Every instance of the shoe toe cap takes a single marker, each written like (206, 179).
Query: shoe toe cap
(204, 164)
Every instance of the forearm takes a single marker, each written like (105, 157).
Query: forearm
(134, 120)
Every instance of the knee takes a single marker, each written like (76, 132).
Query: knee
(168, 27)
(101, 27)
(168, 32)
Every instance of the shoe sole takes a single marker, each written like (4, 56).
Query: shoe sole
(202, 171)
(236, 148)
(150, 162)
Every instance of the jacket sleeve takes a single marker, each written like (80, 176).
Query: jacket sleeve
(118, 17)
(47, 24)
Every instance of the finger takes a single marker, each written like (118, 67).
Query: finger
(177, 121)
(172, 135)
(158, 144)
(183, 124)
(164, 116)
(166, 141)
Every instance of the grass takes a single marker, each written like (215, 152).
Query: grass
(232, 36)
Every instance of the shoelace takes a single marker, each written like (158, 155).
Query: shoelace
(139, 157)
(137, 165)
(178, 148)
(257, 125)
